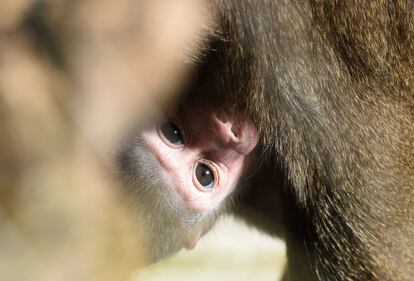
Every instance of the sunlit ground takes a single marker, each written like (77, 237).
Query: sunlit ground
(231, 251)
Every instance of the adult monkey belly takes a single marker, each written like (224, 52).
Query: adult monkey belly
(329, 88)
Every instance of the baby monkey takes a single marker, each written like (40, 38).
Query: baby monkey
(181, 169)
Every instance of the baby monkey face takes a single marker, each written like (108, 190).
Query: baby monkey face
(202, 154)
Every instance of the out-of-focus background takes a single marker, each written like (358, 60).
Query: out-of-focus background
(74, 74)
(231, 251)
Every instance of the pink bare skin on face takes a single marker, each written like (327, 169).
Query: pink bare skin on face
(202, 155)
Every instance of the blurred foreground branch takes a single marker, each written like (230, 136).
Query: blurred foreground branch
(74, 76)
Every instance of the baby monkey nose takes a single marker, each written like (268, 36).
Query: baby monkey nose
(225, 129)
(239, 134)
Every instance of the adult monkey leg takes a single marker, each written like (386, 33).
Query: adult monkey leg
(330, 86)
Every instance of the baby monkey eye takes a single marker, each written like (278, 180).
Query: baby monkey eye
(204, 175)
(172, 133)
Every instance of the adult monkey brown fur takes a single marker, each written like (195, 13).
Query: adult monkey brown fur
(329, 84)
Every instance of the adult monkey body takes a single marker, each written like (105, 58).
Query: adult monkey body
(329, 84)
